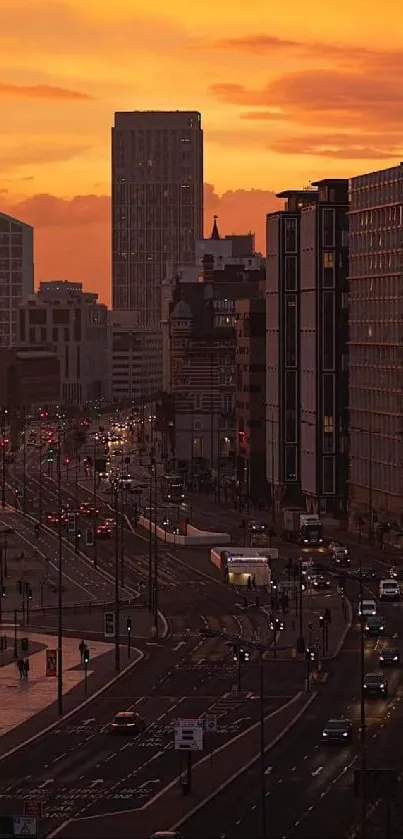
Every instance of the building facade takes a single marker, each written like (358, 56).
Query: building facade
(376, 348)
(202, 367)
(16, 273)
(283, 347)
(250, 407)
(324, 349)
(136, 360)
(29, 379)
(70, 321)
(157, 205)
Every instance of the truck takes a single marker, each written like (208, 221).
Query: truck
(302, 528)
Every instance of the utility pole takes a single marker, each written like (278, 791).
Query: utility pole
(94, 502)
(122, 536)
(150, 540)
(363, 722)
(3, 460)
(117, 603)
(273, 502)
(60, 582)
(40, 470)
(155, 585)
(24, 467)
(370, 505)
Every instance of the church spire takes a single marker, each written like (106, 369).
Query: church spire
(214, 233)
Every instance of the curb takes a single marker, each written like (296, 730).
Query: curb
(75, 710)
(250, 763)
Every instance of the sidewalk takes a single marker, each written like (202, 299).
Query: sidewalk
(209, 775)
(20, 700)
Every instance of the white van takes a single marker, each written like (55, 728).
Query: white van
(389, 590)
(367, 608)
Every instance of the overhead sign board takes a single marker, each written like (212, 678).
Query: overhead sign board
(71, 523)
(109, 624)
(89, 536)
(188, 735)
(25, 826)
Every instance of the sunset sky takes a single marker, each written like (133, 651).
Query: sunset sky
(289, 92)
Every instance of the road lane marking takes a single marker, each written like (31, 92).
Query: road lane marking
(317, 771)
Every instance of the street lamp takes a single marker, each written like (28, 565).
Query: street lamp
(117, 602)
(4, 442)
(155, 581)
(60, 581)
(94, 501)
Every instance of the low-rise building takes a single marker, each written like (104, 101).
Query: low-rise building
(63, 316)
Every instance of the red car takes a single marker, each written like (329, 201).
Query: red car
(105, 529)
(87, 510)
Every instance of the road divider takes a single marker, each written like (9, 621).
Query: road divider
(193, 536)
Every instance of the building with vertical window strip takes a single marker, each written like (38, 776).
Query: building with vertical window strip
(16, 273)
(283, 347)
(376, 349)
(324, 349)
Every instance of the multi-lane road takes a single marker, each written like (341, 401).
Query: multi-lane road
(81, 770)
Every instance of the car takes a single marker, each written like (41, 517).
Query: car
(338, 550)
(118, 453)
(342, 560)
(127, 722)
(338, 731)
(375, 684)
(389, 657)
(389, 590)
(104, 530)
(320, 583)
(255, 526)
(375, 626)
(87, 510)
(368, 574)
(367, 608)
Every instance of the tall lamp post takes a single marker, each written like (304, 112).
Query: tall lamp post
(3, 458)
(363, 722)
(150, 538)
(40, 499)
(117, 602)
(94, 501)
(24, 467)
(60, 582)
(155, 581)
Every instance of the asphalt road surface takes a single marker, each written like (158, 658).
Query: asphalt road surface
(309, 786)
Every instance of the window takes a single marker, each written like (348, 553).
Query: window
(328, 269)
(31, 335)
(61, 316)
(37, 317)
(291, 273)
(55, 334)
(291, 463)
(66, 332)
(291, 331)
(290, 231)
(290, 427)
(197, 447)
(328, 475)
(43, 335)
(328, 331)
(290, 391)
(328, 412)
(328, 227)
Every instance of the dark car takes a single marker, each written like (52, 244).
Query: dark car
(320, 582)
(369, 574)
(105, 530)
(257, 526)
(337, 731)
(375, 684)
(87, 510)
(389, 657)
(127, 722)
(375, 626)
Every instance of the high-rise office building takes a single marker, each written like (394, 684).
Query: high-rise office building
(16, 273)
(375, 351)
(157, 205)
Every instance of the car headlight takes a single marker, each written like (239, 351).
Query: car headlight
(395, 658)
(345, 733)
(382, 686)
(324, 734)
(365, 687)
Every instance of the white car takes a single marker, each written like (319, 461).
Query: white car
(367, 608)
(336, 549)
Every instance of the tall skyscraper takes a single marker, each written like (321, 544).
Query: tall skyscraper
(16, 273)
(157, 205)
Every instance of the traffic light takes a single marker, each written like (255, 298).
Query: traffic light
(235, 652)
(30, 594)
(328, 615)
(50, 454)
(67, 461)
(321, 621)
(129, 624)
(86, 656)
(310, 655)
(3, 591)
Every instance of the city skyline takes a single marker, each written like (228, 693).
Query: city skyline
(262, 85)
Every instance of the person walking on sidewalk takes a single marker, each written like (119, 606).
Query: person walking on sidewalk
(26, 668)
(20, 665)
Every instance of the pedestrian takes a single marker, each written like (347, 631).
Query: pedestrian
(254, 583)
(20, 665)
(81, 648)
(26, 668)
(249, 583)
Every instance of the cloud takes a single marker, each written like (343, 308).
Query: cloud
(72, 236)
(41, 91)
(342, 146)
(29, 155)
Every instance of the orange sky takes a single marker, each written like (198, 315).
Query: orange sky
(288, 92)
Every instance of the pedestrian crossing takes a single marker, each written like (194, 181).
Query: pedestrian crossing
(168, 576)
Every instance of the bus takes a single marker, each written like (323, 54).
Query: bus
(172, 488)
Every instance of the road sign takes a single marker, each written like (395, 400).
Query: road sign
(89, 537)
(25, 826)
(188, 735)
(51, 668)
(210, 722)
(71, 523)
(109, 624)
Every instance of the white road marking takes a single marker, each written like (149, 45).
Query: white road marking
(317, 771)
